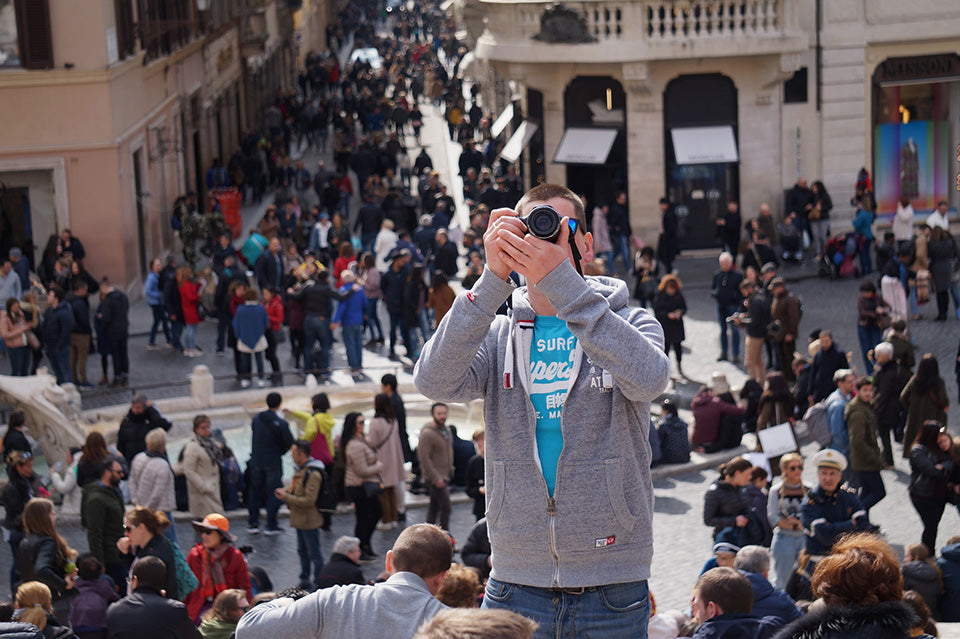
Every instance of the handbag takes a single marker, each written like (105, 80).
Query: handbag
(32, 340)
(372, 488)
(815, 212)
(279, 337)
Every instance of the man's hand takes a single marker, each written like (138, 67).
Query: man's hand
(741, 521)
(281, 494)
(532, 257)
(440, 483)
(502, 221)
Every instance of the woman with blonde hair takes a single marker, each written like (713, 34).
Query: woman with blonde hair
(783, 512)
(44, 555)
(34, 607)
(669, 307)
(221, 620)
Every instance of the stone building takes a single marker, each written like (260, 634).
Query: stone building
(116, 107)
(706, 101)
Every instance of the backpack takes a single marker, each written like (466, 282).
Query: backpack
(817, 424)
(327, 495)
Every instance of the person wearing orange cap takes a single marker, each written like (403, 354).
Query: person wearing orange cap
(217, 565)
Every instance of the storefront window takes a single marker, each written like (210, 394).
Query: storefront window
(911, 141)
(9, 50)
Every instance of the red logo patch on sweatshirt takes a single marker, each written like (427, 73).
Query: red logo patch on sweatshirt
(471, 296)
(603, 542)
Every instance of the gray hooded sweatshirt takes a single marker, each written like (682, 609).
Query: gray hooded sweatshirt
(596, 529)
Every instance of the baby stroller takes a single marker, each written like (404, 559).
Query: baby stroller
(791, 242)
(840, 256)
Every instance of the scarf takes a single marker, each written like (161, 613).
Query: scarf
(212, 580)
(212, 448)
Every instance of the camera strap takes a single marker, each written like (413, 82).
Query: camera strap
(576, 255)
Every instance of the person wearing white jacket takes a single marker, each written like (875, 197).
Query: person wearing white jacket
(65, 483)
(903, 221)
(151, 479)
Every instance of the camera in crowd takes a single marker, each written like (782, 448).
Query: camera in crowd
(543, 222)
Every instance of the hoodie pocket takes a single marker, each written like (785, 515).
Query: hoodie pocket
(517, 520)
(592, 511)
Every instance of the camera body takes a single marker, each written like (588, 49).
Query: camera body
(543, 222)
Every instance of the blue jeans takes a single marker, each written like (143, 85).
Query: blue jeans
(600, 612)
(723, 312)
(59, 363)
(308, 547)
(367, 240)
(19, 361)
(176, 330)
(190, 337)
(263, 478)
(866, 260)
(621, 247)
(353, 341)
(869, 337)
(784, 549)
(160, 319)
(317, 329)
(373, 319)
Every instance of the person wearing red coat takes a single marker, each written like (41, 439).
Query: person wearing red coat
(190, 304)
(217, 565)
(274, 305)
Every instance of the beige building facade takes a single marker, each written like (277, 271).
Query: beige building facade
(114, 109)
(707, 101)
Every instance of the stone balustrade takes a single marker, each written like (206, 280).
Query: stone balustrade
(644, 29)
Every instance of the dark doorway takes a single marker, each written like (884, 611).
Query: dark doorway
(141, 223)
(15, 221)
(699, 191)
(597, 101)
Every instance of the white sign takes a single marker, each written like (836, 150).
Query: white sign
(113, 53)
(585, 146)
(502, 121)
(704, 145)
(518, 141)
(777, 440)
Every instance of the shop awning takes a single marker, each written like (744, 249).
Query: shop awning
(502, 121)
(585, 146)
(704, 145)
(518, 141)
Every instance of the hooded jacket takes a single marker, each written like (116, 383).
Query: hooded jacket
(737, 626)
(596, 528)
(769, 601)
(924, 578)
(949, 565)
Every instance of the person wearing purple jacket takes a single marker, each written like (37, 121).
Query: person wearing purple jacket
(88, 608)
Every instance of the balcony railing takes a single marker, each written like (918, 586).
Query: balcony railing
(653, 24)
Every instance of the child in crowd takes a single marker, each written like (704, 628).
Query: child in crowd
(95, 592)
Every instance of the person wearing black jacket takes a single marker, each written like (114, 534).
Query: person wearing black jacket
(728, 228)
(618, 222)
(269, 267)
(227, 275)
(392, 285)
(758, 254)
(317, 296)
(80, 335)
(828, 360)
(146, 613)
(930, 470)
(725, 290)
(446, 254)
(388, 386)
(668, 244)
(369, 218)
(888, 380)
(476, 551)
(15, 439)
(43, 554)
(142, 417)
(20, 489)
(55, 334)
(755, 317)
(143, 537)
(475, 478)
(113, 314)
(343, 567)
(271, 439)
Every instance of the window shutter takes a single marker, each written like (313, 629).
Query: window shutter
(33, 31)
(126, 35)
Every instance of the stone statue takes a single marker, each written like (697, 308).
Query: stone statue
(561, 24)
(52, 412)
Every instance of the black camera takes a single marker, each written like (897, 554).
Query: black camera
(543, 222)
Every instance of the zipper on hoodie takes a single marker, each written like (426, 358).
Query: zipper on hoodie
(552, 511)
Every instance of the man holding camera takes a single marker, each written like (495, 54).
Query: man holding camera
(567, 380)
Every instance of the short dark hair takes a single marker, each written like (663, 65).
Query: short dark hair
(727, 588)
(89, 567)
(320, 403)
(864, 381)
(389, 380)
(423, 549)
(107, 464)
(303, 446)
(436, 405)
(383, 407)
(274, 400)
(151, 572)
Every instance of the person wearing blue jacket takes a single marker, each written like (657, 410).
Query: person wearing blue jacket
(154, 293)
(271, 438)
(753, 562)
(350, 315)
(863, 226)
(949, 565)
(567, 379)
(250, 325)
(56, 329)
(722, 603)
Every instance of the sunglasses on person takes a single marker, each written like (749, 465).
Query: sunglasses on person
(795, 467)
(209, 532)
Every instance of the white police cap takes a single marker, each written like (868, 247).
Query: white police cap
(830, 458)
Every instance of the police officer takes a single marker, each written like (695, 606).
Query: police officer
(828, 512)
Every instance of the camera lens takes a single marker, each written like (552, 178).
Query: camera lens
(543, 222)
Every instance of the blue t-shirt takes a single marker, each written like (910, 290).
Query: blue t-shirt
(551, 355)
